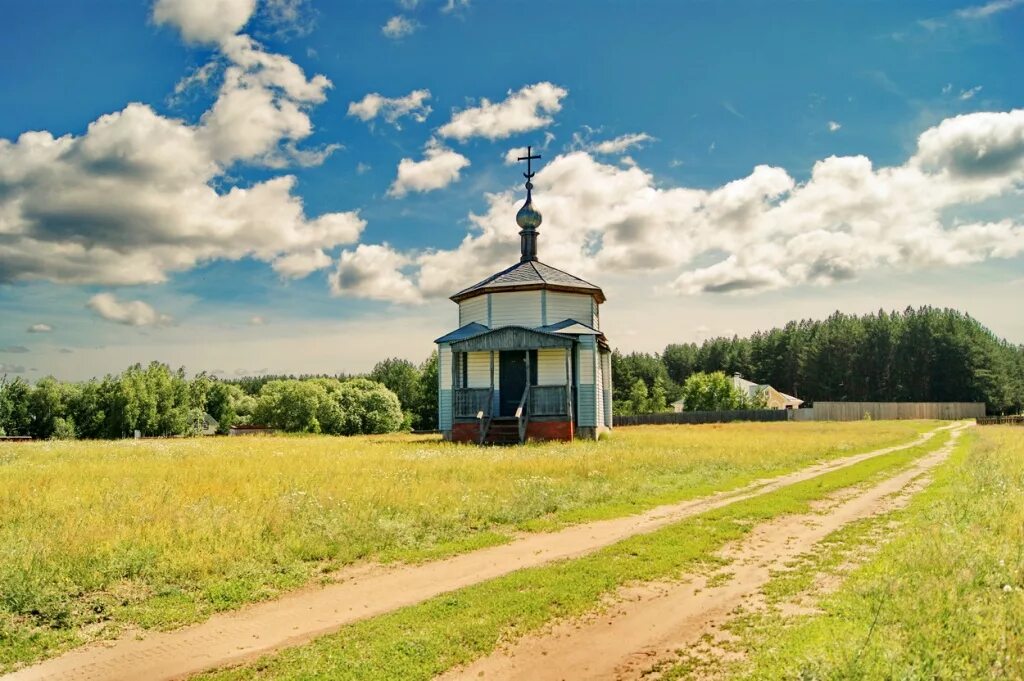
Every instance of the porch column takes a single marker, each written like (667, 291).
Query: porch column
(568, 382)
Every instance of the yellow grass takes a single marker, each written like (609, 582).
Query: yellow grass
(95, 536)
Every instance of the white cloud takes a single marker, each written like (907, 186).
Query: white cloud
(140, 195)
(833, 126)
(621, 143)
(374, 272)
(452, 5)
(399, 27)
(439, 169)
(204, 21)
(40, 328)
(392, 108)
(363, 168)
(988, 9)
(969, 93)
(257, 320)
(130, 312)
(301, 264)
(520, 112)
(761, 232)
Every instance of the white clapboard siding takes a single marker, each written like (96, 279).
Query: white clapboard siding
(444, 366)
(606, 375)
(551, 366)
(478, 369)
(516, 308)
(473, 310)
(569, 306)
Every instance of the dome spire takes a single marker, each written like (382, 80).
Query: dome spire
(528, 218)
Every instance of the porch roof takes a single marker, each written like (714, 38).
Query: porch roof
(557, 335)
(511, 338)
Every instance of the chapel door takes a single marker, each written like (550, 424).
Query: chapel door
(514, 372)
(512, 380)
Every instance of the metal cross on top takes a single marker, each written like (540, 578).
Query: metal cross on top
(528, 158)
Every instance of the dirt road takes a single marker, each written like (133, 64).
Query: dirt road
(648, 623)
(362, 592)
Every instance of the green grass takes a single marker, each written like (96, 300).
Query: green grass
(97, 536)
(423, 640)
(930, 592)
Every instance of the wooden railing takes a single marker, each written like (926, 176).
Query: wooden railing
(523, 414)
(469, 402)
(549, 400)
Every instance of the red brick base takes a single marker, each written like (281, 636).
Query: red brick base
(466, 432)
(549, 430)
(535, 430)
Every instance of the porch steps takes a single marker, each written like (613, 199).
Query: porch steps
(503, 431)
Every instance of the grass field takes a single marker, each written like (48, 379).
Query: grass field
(421, 641)
(95, 537)
(940, 596)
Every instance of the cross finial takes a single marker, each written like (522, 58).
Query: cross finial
(529, 166)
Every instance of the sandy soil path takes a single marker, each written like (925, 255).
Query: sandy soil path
(362, 592)
(648, 623)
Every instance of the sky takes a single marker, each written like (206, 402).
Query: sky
(297, 186)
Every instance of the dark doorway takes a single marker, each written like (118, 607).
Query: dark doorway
(512, 378)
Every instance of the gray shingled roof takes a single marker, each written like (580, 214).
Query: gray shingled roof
(530, 275)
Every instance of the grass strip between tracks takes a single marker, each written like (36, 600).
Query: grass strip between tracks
(933, 591)
(424, 640)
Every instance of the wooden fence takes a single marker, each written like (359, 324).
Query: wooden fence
(884, 411)
(1001, 420)
(703, 417)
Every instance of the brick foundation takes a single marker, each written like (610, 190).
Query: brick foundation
(535, 430)
(549, 430)
(465, 432)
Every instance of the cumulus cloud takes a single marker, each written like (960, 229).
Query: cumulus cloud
(833, 126)
(762, 232)
(40, 328)
(129, 312)
(204, 21)
(140, 195)
(399, 27)
(392, 108)
(527, 109)
(302, 264)
(374, 272)
(439, 169)
(621, 143)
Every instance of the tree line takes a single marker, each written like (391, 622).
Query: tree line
(159, 401)
(918, 355)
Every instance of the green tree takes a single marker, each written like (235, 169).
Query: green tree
(401, 377)
(369, 408)
(712, 392)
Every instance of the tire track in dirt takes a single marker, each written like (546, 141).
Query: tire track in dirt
(367, 591)
(646, 624)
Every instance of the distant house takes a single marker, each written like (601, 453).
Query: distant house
(207, 425)
(251, 429)
(772, 398)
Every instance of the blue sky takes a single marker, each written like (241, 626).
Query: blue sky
(680, 144)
